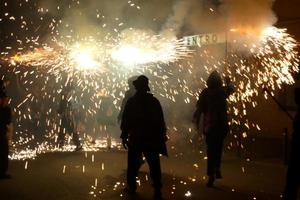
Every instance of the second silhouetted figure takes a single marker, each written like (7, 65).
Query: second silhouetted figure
(212, 104)
(143, 132)
(67, 119)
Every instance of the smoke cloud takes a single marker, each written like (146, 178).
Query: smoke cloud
(169, 18)
(254, 14)
(175, 21)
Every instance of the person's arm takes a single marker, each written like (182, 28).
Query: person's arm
(125, 124)
(124, 101)
(162, 121)
(229, 87)
(199, 110)
(10, 131)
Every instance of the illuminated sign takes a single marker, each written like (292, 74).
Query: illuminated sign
(204, 39)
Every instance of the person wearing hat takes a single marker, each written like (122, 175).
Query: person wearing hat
(213, 105)
(5, 137)
(143, 132)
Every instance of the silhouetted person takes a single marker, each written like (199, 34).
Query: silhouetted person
(107, 118)
(212, 104)
(144, 132)
(128, 94)
(67, 120)
(5, 122)
(293, 172)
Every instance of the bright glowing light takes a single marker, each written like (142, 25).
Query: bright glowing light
(274, 32)
(141, 48)
(233, 30)
(133, 56)
(188, 194)
(155, 51)
(83, 58)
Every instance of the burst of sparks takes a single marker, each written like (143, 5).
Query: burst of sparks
(146, 49)
(99, 68)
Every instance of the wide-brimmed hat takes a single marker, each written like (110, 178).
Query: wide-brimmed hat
(141, 83)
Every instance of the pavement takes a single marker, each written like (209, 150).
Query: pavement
(101, 175)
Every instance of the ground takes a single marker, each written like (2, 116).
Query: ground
(101, 175)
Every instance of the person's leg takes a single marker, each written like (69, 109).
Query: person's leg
(3, 157)
(61, 136)
(132, 167)
(6, 152)
(211, 163)
(71, 130)
(155, 171)
(108, 139)
(210, 152)
(75, 138)
(62, 132)
(218, 156)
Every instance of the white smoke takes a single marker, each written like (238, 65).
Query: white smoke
(251, 14)
(176, 20)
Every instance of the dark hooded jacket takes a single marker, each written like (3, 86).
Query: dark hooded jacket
(213, 105)
(143, 123)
